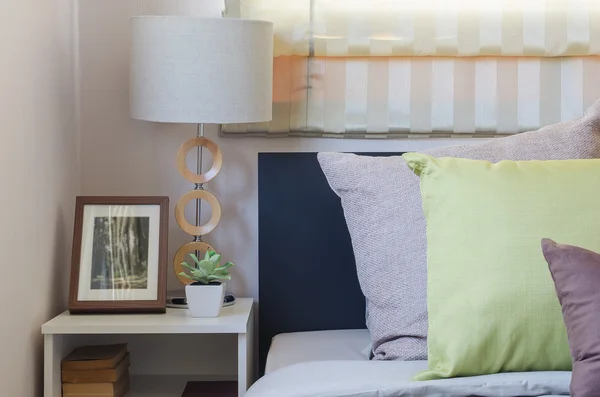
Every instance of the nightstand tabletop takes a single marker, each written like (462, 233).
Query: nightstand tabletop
(233, 320)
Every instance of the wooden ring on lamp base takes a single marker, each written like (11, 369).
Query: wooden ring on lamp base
(207, 227)
(180, 257)
(214, 150)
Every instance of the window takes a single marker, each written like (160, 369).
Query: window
(404, 68)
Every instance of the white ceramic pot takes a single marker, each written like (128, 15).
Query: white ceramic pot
(205, 300)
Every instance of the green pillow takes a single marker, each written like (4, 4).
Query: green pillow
(491, 300)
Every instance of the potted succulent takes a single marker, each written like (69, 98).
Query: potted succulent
(205, 295)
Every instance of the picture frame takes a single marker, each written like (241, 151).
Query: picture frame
(119, 256)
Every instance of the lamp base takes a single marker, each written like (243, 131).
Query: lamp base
(198, 193)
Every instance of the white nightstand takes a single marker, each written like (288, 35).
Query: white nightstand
(236, 319)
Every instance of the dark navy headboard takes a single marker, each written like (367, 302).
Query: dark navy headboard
(307, 274)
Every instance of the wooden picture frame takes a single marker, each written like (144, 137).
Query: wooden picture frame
(119, 258)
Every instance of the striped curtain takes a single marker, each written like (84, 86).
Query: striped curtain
(426, 68)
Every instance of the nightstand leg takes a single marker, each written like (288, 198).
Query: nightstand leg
(54, 351)
(246, 358)
(242, 364)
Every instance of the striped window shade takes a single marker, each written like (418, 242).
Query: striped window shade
(423, 68)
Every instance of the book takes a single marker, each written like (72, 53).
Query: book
(94, 357)
(107, 389)
(110, 375)
(210, 389)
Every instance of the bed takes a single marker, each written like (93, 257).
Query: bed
(312, 335)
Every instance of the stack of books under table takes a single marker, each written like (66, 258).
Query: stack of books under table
(96, 371)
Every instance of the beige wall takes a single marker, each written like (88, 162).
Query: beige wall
(38, 181)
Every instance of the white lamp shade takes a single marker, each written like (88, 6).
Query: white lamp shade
(201, 70)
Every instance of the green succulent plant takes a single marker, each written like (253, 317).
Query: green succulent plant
(206, 270)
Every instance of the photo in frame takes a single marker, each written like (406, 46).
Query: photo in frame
(119, 260)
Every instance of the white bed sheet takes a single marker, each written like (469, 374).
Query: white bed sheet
(393, 379)
(336, 364)
(298, 347)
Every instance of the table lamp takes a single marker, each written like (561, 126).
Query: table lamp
(200, 70)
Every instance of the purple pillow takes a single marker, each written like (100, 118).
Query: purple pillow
(576, 274)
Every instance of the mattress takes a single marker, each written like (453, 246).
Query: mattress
(298, 347)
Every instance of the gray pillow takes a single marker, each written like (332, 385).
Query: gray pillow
(382, 206)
